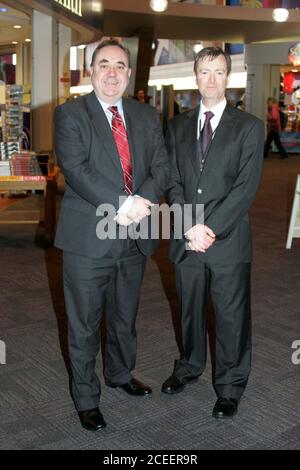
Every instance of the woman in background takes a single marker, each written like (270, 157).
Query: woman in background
(273, 129)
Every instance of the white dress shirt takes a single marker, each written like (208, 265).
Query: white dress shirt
(216, 110)
(108, 113)
(124, 208)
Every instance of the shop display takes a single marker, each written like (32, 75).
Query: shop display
(14, 113)
(25, 163)
(4, 168)
(290, 100)
(8, 149)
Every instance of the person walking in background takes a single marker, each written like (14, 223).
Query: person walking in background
(216, 154)
(141, 96)
(273, 129)
(108, 147)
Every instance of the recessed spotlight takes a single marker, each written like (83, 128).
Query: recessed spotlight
(14, 42)
(97, 6)
(17, 26)
(197, 48)
(280, 14)
(159, 5)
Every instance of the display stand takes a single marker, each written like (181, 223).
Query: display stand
(294, 227)
(49, 185)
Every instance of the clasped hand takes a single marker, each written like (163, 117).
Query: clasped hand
(200, 238)
(139, 209)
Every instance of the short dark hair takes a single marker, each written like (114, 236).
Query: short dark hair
(110, 42)
(212, 53)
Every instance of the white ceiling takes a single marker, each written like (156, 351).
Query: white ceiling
(205, 22)
(10, 18)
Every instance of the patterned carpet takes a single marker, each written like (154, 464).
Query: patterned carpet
(36, 411)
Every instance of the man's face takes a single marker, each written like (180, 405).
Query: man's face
(110, 74)
(212, 80)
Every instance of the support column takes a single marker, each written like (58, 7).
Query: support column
(144, 59)
(64, 74)
(263, 82)
(23, 67)
(19, 65)
(257, 90)
(44, 80)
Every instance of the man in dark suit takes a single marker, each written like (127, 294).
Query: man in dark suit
(108, 147)
(217, 154)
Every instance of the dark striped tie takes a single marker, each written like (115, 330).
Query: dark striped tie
(206, 133)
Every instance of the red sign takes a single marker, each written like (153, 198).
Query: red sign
(294, 54)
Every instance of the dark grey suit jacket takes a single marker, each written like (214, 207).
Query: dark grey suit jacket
(227, 185)
(89, 159)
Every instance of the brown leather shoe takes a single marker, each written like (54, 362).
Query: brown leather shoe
(133, 387)
(225, 408)
(92, 420)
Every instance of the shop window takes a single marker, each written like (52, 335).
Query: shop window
(7, 69)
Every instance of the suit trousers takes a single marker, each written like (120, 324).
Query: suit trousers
(229, 287)
(91, 285)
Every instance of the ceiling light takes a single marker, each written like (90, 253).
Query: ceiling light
(159, 5)
(97, 6)
(295, 70)
(3, 10)
(17, 26)
(280, 14)
(14, 42)
(27, 40)
(198, 48)
(81, 46)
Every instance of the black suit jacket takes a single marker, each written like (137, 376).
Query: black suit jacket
(227, 185)
(91, 165)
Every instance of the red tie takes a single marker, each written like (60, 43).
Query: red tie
(120, 136)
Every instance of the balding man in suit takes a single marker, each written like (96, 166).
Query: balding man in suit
(108, 147)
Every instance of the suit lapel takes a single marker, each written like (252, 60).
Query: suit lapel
(216, 149)
(135, 132)
(190, 137)
(103, 130)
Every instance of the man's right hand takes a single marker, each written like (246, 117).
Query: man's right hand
(139, 209)
(200, 238)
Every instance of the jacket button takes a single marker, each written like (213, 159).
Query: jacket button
(199, 191)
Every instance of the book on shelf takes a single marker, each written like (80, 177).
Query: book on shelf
(8, 149)
(24, 178)
(4, 168)
(25, 163)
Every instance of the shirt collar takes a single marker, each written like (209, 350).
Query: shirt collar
(105, 106)
(216, 110)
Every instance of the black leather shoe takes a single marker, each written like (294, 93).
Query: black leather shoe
(133, 387)
(92, 420)
(173, 385)
(225, 408)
